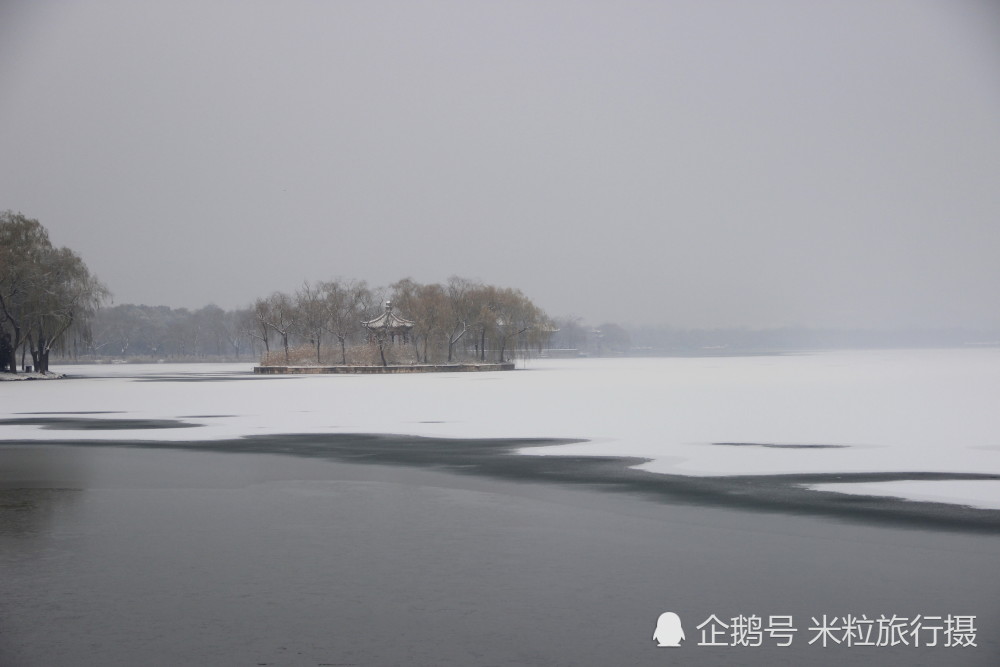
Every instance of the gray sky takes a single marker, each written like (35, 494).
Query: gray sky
(689, 163)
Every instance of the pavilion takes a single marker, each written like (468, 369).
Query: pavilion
(390, 326)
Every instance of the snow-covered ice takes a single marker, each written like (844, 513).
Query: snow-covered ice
(984, 494)
(858, 411)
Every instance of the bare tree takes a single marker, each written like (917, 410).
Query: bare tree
(374, 301)
(210, 327)
(345, 303)
(405, 299)
(234, 330)
(262, 328)
(253, 327)
(431, 312)
(462, 310)
(514, 316)
(313, 317)
(280, 315)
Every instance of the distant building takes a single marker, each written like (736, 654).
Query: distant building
(390, 325)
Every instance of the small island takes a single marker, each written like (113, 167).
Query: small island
(371, 370)
(461, 327)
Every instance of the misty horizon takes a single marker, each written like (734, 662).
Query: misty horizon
(819, 165)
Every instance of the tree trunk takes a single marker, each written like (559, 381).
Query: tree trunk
(452, 339)
(11, 353)
(33, 348)
(343, 351)
(8, 359)
(16, 341)
(381, 344)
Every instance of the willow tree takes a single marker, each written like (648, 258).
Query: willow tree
(514, 318)
(345, 303)
(278, 312)
(429, 308)
(461, 310)
(312, 321)
(44, 291)
(433, 311)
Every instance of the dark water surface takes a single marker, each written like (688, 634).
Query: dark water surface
(159, 556)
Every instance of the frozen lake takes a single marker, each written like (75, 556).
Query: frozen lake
(927, 411)
(202, 515)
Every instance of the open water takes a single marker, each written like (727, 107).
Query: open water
(143, 555)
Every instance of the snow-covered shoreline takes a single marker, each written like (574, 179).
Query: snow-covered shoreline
(12, 377)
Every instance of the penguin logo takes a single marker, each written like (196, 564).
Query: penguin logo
(668, 630)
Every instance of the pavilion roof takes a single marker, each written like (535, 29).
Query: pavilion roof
(388, 320)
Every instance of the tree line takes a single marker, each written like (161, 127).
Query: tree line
(49, 301)
(321, 323)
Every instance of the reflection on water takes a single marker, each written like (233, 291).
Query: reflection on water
(29, 512)
(112, 556)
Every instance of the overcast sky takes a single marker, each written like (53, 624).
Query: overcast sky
(691, 163)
